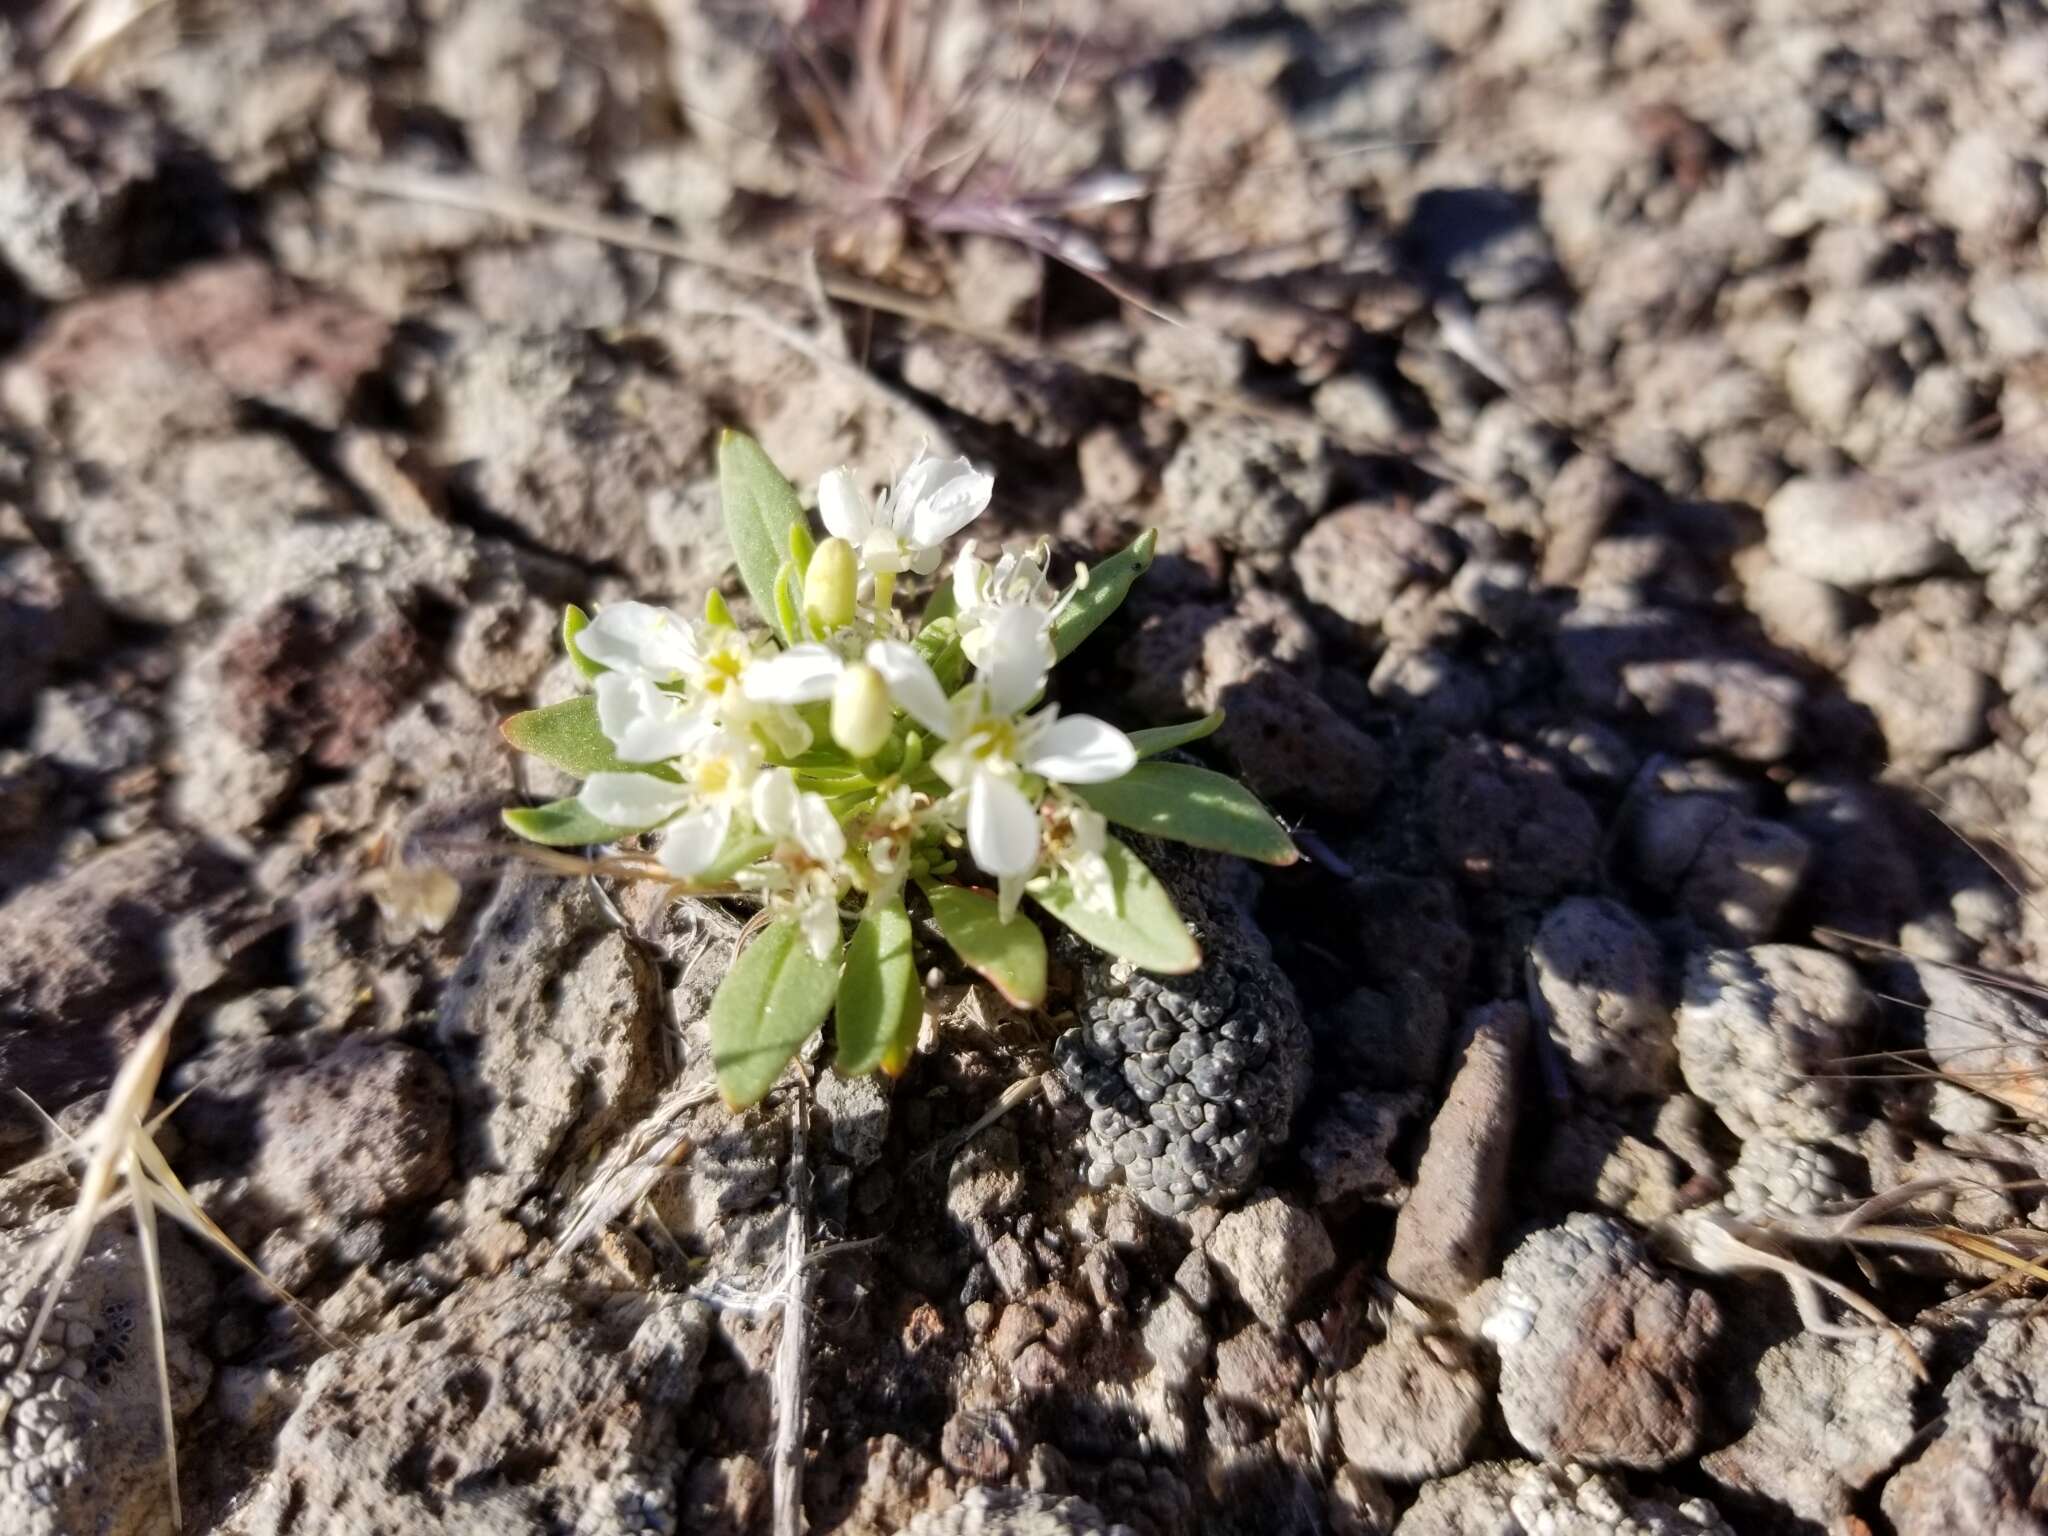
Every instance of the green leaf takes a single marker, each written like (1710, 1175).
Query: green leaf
(1145, 929)
(940, 605)
(1193, 805)
(789, 601)
(1107, 585)
(574, 622)
(938, 642)
(568, 735)
(1010, 954)
(878, 990)
(1165, 738)
(716, 614)
(561, 824)
(761, 507)
(771, 1001)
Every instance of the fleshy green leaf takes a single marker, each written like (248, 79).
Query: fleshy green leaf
(1193, 805)
(771, 1001)
(568, 735)
(716, 614)
(574, 622)
(877, 990)
(1165, 738)
(1145, 929)
(761, 507)
(1108, 583)
(1010, 954)
(561, 824)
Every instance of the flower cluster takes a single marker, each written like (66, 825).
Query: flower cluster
(845, 754)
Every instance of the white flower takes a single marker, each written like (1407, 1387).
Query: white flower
(804, 878)
(646, 645)
(716, 777)
(642, 640)
(990, 745)
(985, 596)
(1075, 835)
(720, 777)
(644, 723)
(932, 500)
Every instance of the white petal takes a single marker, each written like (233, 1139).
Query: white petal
(631, 799)
(909, 490)
(952, 495)
(641, 639)
(643, 724)
(912, 684)
(1080, 749)
(692, 842)
(1016, 653)
(775, 801)
(970, 581)
(1002, 826)
(843, 506)
(803, 674)
(821, 836)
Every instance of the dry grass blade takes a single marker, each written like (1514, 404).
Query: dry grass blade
(632, 1168)
(119, 1145)
(106, 1144)
(159, 1345)
(1717, 1243)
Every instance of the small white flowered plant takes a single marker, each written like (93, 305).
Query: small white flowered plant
(848, 754)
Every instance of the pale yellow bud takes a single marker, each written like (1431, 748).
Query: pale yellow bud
(862, 714)
(830, 583)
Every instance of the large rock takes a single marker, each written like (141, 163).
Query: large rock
(88, 958)
(1831, 1416)
(1599, 1349)
(359, 1132)
(585, 451)
(1980, 506)
(1273, 1254)
(1444, 1236)
(1596, 981)
(518, 1406)
(549, 1028)
(1762, 1034)
(1992, 1039)
(1410, 1409)
(167, 497)
(1984, 1468)
(91, 192)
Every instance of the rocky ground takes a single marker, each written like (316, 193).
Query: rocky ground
(1597, 452)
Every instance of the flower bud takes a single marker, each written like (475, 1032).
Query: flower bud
(862, 713)
(830, 583)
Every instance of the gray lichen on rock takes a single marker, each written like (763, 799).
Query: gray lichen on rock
(1187, 1081)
